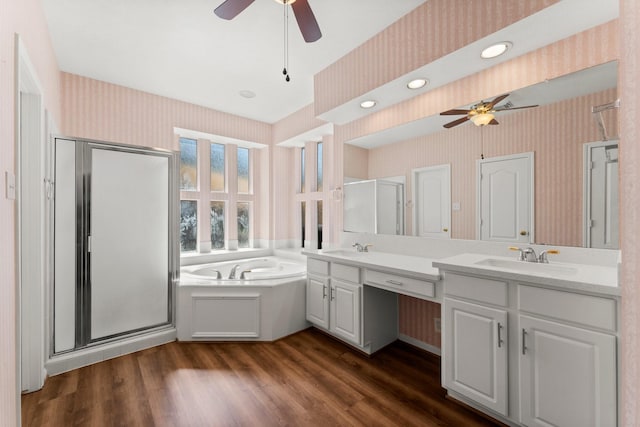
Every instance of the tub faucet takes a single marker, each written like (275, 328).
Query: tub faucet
(232, 273)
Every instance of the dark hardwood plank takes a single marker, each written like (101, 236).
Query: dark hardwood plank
(307, 379)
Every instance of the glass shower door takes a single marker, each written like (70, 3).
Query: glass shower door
(128, 242)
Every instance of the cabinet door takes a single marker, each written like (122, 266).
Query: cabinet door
(345, 310)
(318, 301)
(567, 375)
(474, 359)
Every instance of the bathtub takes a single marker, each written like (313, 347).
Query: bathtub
(266, 304)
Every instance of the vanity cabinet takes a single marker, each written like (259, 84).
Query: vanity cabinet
(529, 354)
(338, 303)
(567, 350)
(476, 353)
(334, 299)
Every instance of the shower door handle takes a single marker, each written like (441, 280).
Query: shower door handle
(89, 243)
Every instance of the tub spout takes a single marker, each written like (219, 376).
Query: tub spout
(234, 269)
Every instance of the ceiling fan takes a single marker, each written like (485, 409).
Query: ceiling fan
(307, 23)
(481, 114)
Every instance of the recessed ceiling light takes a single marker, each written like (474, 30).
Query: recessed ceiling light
(495, 50)
(247, 94)
(368, 104)
(417, 83)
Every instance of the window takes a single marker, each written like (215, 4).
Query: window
(243, 224)
(243, 170)
(206, 205)
(319, 163)
(319, 224)
(188, 164)
(217, 167)
(217, 225)
(188, 225)
(302, 170)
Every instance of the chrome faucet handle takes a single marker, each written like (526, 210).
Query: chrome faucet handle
(542, 257)
(521, 255)
(366, 247)
(242, 276)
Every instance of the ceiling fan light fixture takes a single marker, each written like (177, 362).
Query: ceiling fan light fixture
(368, 104)
(417, 83)
(495, 50)
(285, 1)
(482, 119)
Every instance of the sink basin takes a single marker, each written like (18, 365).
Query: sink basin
(528, 267)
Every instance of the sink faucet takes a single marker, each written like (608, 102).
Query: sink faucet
(527, 254)
(232, 273)
(361, 248)
(542, 256)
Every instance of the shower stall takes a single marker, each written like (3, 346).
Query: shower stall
(116, 257)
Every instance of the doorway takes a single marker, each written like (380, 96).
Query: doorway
(432, 201)
(505, 204)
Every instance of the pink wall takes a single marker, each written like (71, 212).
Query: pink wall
(103, 111)
(630, 201)
(555, 133)
(431, 31)
(26, 18)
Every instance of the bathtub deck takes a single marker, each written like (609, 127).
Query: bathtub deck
(305, 379)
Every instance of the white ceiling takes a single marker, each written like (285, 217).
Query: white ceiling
(180, 49)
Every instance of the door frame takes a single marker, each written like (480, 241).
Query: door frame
(31, 263)
(532, 195)
(586, 188)
(414, 192)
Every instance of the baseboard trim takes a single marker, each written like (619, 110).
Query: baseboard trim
(420, 344)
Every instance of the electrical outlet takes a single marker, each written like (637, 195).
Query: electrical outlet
(436, 324)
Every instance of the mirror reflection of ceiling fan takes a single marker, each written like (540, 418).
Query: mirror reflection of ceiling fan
(482, 113)
(307, 23)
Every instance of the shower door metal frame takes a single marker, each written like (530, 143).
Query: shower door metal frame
(84, 150)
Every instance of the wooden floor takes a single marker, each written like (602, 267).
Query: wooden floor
(307, 379)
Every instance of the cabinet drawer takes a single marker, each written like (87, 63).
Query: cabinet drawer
(476, 288)
(345, 272)
(317, 266)
(400, 283)
(587, 310)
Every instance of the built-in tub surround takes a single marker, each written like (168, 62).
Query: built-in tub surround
(255, 299)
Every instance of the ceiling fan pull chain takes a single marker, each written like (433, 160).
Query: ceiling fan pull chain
(286, 42)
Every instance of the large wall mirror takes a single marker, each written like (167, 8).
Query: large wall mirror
(572, 134)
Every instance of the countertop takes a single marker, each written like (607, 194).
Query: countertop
(577, 277)
(407, 265)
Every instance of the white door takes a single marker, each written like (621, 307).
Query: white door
(505, 198)
(567, 375)
(475, 353)
(601, 195)
(318, 301)
(345, 310)
(432, 201)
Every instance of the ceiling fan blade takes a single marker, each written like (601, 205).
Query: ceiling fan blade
(495, 101)
(229, 9)
(515, 108)
(456, 122)
(454, 112)
(494, 122)
(306, 21)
